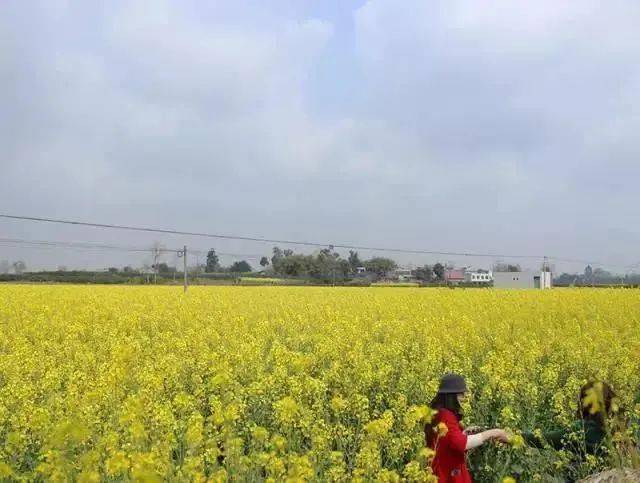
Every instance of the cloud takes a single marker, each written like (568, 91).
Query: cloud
(460, 120)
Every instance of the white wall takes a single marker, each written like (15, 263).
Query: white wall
(513, 280)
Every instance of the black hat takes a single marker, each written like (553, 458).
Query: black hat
(452, 384)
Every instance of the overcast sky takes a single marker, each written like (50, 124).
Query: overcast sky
(457, 125)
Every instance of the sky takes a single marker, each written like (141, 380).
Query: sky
(460, 125)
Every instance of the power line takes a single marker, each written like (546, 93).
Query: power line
(295, 242)
(100, 246)
(79, 245)
(265, 240)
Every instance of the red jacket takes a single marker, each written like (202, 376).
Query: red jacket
(449, 463)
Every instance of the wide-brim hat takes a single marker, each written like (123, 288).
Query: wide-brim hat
(452, 384)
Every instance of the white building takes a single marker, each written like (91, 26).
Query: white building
(478, 277)
(526, 279)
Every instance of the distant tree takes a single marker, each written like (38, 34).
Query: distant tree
(62, 268)
(164, 268)
(240, 267)
(354, 260)
(506, 267)
(127, 269)
(588, 273)
(438, 271)
(380, 266)
(603, 276)
(424, 274)
(344, 268)
(279, 260)
(277, 256)
(112, 270)
(19, 267)
(264, 262)
(295, 265)
(213, 262)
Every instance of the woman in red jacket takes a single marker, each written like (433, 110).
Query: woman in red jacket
(445, 434)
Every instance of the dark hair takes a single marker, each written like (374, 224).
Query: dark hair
(604, 394)
(441, 401)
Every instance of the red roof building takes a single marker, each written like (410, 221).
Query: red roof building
(454, 275)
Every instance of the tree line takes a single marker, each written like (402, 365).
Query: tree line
(324, 264)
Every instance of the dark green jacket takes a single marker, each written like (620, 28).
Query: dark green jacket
(583, 436)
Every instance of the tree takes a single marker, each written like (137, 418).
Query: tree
(506, 267)
(380, 266)
(264, 262)
(19, 267)
(112, 270)
(424, 274)
(295, 265)
(601, 275)
(127, 269)
(438, 271)
(566, 279)
(164, 268)
(277, 256)
(240, 267)
(588, 273)
(354, 260)
(212, 261)
(344, 267)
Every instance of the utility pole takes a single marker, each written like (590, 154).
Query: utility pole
(183, 254)
(156, 252)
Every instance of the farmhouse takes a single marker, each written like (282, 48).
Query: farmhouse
(454, 276)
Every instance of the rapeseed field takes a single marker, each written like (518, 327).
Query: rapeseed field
(273, 383)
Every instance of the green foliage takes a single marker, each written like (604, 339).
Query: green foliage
(354, 260)
(380, 266)
(240, 267)
(213, 262)
(424, 274)
(438, 271)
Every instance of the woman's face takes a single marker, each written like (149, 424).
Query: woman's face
(462, 398)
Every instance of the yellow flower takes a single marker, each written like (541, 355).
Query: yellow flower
(441, 429)
(517, 441)
(305, 383)
(287, 410)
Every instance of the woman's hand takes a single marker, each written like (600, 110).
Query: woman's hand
(498, 435)
(475, 440)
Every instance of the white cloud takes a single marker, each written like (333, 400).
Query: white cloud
(466, 116)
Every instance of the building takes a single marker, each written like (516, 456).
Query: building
(525, 279)
(454, 276)
(403, 274)
(544, 280)
(480, 278)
